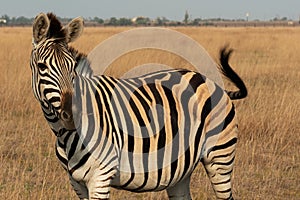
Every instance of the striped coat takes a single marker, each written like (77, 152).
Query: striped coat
(140, 134)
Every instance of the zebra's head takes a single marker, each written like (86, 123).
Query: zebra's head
(53, 63)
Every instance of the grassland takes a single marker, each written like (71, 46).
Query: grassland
(268, 155)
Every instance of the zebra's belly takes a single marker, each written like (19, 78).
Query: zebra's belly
(138, 183)
(155, 177)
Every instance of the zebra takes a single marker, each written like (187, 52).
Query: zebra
(139, 134)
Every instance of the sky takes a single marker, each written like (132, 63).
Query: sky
(171, 9)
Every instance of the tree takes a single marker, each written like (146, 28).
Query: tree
(165, 21)
(143, 21)
(98, 20)
(125, 22)
(113, 21)
(196, 21)
(186, 18)
(159, 21)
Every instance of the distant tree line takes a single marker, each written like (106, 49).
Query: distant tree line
(5, 20)
(16, 21)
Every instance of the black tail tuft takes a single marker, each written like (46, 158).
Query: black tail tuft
(228, 72)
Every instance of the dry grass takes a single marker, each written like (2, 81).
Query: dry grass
(267, 163)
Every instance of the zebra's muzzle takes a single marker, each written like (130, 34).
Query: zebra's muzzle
(66, 114)
(67, 120)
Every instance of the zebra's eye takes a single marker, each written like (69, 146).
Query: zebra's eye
(42, 66)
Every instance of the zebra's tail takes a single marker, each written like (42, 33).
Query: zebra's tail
(229, 73)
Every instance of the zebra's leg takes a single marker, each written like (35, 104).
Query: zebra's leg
(219, 166)
(80, 189)
(99, 184)
(99, 189)
(180, 191)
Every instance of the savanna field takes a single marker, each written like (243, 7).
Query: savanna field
(268, 153)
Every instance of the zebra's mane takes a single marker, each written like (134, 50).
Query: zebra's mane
(83, 65)
(55, 29)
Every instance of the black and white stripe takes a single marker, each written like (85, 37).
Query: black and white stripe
(140, 134)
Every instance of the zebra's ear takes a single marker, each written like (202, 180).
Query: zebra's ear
(74, 29)
(40, 27)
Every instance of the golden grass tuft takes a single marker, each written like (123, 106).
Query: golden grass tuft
(267, 162)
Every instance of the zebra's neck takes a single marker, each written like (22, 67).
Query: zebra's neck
(83, 67)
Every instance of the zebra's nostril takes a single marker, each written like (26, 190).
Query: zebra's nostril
(65, 116)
